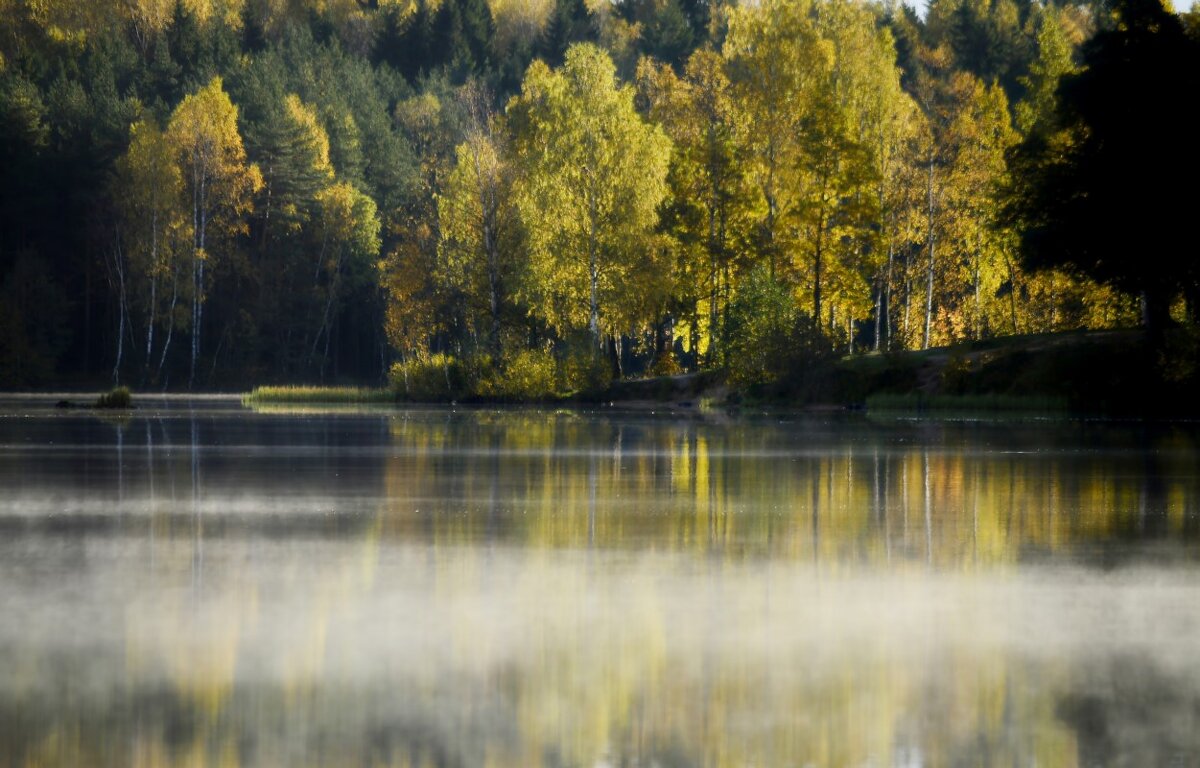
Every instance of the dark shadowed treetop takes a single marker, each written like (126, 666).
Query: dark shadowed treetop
(1104, 188)
(569, 22)
(462, 36)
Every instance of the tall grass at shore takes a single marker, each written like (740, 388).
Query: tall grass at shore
(318, 395)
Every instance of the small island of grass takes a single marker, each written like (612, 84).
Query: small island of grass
(117, 399)
(318, 395)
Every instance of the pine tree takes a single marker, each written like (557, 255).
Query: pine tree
(570, 22)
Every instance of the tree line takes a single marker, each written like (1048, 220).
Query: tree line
(197, 193)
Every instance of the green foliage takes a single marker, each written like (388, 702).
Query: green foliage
(1054, 60)
(985, 36)
(570, 22)
(766, 337)
(23, 114)
(668, 30)
(530, 375)
(116, 399)
(451, 36)
(462, 36)
(293, 152)
(594, 174)
(217, 190)
(583, 370)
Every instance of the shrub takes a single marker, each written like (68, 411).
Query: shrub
(766, 339)
(431, 378)
(118, 398)
(664, 365)
(584, 369)
(529, 375)
(956, 375)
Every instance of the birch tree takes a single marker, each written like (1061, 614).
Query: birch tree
(218, 182)
(594, 174)
(777, 61)
(151, 223)
(479, 218)
(708, 212)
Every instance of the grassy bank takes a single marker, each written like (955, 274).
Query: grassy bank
(1100, 373)
(313, 395)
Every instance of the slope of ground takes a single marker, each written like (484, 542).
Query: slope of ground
(1108, 373)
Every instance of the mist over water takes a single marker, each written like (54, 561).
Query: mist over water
(198, 584)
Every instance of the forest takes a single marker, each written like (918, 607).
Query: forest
(540, 195)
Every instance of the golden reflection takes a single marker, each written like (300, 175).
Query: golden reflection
(554, 589)
(555, 480)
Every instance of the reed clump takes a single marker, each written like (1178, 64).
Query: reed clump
(117, 399)
(319, 395)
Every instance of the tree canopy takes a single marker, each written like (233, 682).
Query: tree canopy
(595, 174)
(215, 192)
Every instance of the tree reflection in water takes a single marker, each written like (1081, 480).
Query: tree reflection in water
(207, 586)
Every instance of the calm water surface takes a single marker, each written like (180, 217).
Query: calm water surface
(200, 584)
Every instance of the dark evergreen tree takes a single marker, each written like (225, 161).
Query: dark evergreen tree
(699, 16)
(1100, 190)
(412, 47)
(462, 37)
(907, 30)
(667, 33)
(570, 22)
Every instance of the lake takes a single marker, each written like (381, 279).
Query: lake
(197, 583)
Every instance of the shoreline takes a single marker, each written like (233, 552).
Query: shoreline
(688, 410)
(1090, 376)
